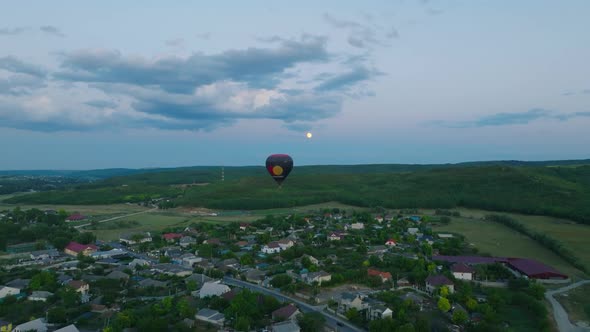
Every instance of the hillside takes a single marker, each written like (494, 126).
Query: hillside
(555, 191)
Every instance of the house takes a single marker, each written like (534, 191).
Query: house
(213, 241)
(462, 271)
(109, 254)
(244, 226)
(172, 270)
(40, 296)
(187, 241)
(210, 316)
(403, 282)
(138, 262)
(190, 259)
(63, 279)
(435, 282)
(173, 252)
(135, 238)
(146, 283)
(5, 326)
(288, 312)
(213, 288)
(312, 259)
(6, 291)
(390, 243)
(413, 230)
(350, 300)
(318, 277)
(255, 276)
(335, 236)
(384, 276)
(37, 325)
(75, 248)
(271, 248)
(357, 226)
(19, 283)
(379, 218)
(378, 311)
(117, 275)
(69, 328)
(286, 326)
(171, 237)
(285, 244)
(199, 279)
(75, 217)
(81, 287)
(40, 255)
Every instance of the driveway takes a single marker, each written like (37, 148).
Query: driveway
(561, 317)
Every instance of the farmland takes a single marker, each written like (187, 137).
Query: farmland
(577, 303)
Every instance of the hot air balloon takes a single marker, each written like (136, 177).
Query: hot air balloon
(279, 166)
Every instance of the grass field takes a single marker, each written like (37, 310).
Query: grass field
(147, 222)
(577, 303)
(499, 240)
(574, 236)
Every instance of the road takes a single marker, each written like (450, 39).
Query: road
(331, 320)
(119, 217)
(561, 317)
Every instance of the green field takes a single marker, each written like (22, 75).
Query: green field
(499, 240)
(147, 222)
(577, 303)
(573, 236)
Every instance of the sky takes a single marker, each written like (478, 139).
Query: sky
(89, 85)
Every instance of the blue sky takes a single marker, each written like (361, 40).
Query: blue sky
(148, 84)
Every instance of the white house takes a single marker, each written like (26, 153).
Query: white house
(271, 248)
(318, 277)
(5, 291)
(462, 271)
(286, 326)
(357, 226)
(131, 239)
(69, 328)
(413, 230)
(190, 259)
(37, 325)
(213, 288)
(335, 236)
(40, 296)
(286, 244)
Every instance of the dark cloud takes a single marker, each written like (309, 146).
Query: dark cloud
(101, 103)
(12, 31)
(20, 84)
(261, 66)
(507, 119)
(586, 91)
(15, 65)
(301, 127)
(347, 79)
(52, 30)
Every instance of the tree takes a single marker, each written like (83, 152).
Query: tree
(246, 260)
(281, 280)
(43, 280)
(444, 291)
(185, 309)
(242, 323)
(460, 316)
(422, 324)
(311, 321)
(69, 296)
(382, 325)
(86, 238)
(56, 315)
(471, 304)
(444, 305)
(353, 315)
(406, 328)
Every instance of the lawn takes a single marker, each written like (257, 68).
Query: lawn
(574, 236)
(499, 240)
(146, 222)
(577, 303)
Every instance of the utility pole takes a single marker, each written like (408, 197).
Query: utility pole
(222, 174)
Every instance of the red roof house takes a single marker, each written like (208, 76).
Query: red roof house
(285, 313)
(171, 237)
(76, 217)
(390, 243)
(74, 248)
(385, 276)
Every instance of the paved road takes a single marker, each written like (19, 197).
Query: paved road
(331, 320)
(561, 317)
(119, 217)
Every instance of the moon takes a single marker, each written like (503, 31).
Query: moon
(308, 135)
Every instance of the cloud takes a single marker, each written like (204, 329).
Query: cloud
(101, 104)
(262, 66)
(15, 65)
(507, 119)
(586, 91)
(52, 30)
(203, 35)
(346, 79)
(94, 89)
(178, 42)
(12, 31)
(432, 11)
(362, 35)
(301, 127)
(20, 84)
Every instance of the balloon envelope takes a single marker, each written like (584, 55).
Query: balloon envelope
(279, 166)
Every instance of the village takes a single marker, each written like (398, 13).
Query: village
(332, 270)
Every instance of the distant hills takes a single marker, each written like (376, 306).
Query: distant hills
(555, 188)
